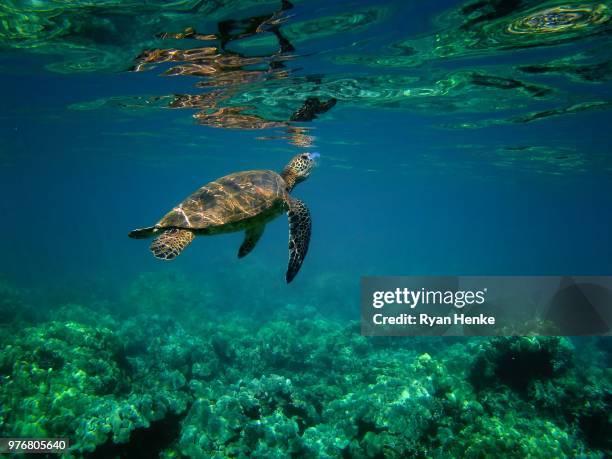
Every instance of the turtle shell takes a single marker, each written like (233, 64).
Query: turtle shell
(233, 200)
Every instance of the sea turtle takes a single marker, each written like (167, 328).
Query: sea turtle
(240, 201)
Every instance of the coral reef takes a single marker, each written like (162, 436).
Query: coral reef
(66, 378)
(298, 384)
(517, 362)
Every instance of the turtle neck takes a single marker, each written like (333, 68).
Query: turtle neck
(290, 178)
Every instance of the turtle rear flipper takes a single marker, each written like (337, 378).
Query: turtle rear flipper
(300, 226)
(171, 243)
(142, 233)
(251, 238)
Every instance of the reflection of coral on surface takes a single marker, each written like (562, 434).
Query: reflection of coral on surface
(560, 19)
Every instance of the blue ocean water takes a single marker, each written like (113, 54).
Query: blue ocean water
(467, 138)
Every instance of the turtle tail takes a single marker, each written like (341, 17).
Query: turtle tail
(170, 243)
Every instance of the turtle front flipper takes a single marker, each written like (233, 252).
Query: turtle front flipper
(300, 225)
(251, 237)
(171, 243)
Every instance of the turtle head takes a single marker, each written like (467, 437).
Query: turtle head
(299, 169)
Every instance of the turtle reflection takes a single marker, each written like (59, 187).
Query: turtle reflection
(240, 118)
(225, 72)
